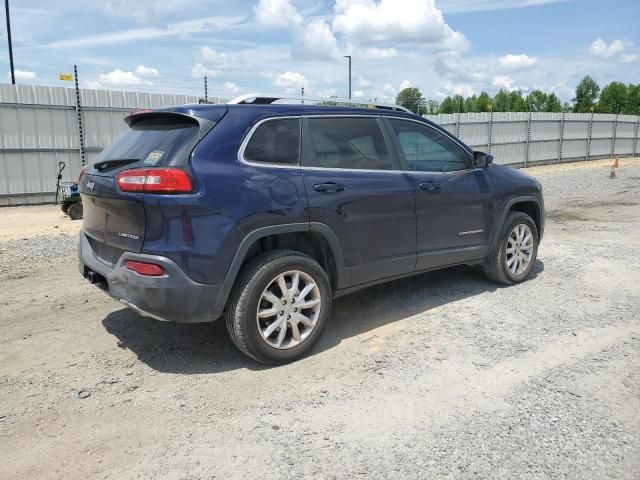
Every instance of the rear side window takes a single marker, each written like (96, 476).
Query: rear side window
(427, 150)
(353, 143)
(154, 142)
(275, 141)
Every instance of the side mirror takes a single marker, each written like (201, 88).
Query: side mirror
(481, 159)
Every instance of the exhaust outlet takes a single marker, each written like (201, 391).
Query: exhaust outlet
(92, 277)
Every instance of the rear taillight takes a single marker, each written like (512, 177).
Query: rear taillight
(144, 268)
(155, 180)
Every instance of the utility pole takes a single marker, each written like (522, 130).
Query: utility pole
(349, 57)
(302, 94)
(83, 154)
(13, 74)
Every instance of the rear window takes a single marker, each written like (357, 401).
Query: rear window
(153, 142)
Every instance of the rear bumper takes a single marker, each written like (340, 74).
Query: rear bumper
(171, 297)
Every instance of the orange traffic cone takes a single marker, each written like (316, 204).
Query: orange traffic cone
(616, 163)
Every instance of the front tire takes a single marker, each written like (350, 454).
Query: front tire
(279, 306)
(515, 254)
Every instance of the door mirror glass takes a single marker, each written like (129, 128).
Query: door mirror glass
(481, 159)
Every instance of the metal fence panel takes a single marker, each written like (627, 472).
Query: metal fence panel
(39, 128)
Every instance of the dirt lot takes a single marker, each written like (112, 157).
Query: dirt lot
(444, 374)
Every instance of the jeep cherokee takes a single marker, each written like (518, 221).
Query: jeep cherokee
(263, 212)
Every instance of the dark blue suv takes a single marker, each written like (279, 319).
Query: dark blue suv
(263, 212)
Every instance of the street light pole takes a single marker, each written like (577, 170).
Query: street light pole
(349, 57)
(6, 10)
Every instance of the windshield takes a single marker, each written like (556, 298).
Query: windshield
(154, 142)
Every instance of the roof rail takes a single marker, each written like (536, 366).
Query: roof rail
(268, 99)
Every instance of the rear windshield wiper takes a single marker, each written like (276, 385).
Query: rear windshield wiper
(105, 165)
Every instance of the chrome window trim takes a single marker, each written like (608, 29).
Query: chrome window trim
(248, 136)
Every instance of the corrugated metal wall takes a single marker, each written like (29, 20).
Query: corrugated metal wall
(39, 128)
(524, 139)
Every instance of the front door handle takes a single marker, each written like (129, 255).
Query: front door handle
(329, 187)
(430, 187)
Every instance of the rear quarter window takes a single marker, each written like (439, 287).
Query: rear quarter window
(275, 141)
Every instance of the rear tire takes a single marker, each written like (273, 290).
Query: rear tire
(279, 306)
(74, 211)
(512, 260)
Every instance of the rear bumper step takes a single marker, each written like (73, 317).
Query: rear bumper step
(171, 297)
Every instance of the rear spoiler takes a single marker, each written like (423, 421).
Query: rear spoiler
(140, 115)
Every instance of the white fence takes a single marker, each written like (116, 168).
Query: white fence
(522, 139)
(39, 128)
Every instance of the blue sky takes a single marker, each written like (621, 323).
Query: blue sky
(443, 46)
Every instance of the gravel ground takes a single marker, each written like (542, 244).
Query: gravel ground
(442, 375)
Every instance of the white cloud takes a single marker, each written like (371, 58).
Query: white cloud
(23, 75)
(383, 21)
(601, 49)
(143, 71)
(562, 90)
(181, 29)
(199, 71)
(517, 62)
(292, 82)
(358, 94)
(452, 88)
(328, 93)
(277, 13)
(119, 78)
(231, 87)
(459, 6)
(362, 81)
(145, 12)
(215, 59)
(628, 58)
(318, 39)
(374, 53)
(504, 82)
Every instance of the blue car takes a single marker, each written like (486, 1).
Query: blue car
(262, 212)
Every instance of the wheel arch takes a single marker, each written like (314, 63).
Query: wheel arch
(527, 204)
(314, 239)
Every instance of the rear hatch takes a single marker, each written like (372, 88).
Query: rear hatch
(113, 220)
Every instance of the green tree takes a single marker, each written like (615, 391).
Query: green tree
(502, 101)
(448, 106)
(633, 104)
(586, 95)
(412, 99)
(553, 103)
(484, 102)
(471, 104)
(458, 103)
(613, 99)
(537, 101)
(432, 107)
(517, 103)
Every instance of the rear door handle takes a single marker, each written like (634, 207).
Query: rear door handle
(329, 187)
(430, 186)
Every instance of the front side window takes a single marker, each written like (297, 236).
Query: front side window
(353, 143)
(427, 150)
(275, 141)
